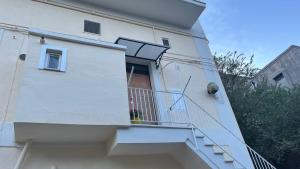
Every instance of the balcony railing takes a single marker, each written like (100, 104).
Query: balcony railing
(145, 109)
(171, 110)
(142, 105)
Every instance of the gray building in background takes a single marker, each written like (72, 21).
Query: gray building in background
(284, 69)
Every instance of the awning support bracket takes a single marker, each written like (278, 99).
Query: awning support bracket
(157, 62)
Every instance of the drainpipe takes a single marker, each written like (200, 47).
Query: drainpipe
(130, 76)
(22, 155)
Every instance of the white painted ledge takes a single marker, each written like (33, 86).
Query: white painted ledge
(75, 39)
(7, 135)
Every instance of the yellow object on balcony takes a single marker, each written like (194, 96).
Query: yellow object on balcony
(136, 120)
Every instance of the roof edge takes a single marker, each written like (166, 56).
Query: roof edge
(276, 58)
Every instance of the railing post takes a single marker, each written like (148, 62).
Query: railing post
(195, 139)
(186, 110)
(22, 155)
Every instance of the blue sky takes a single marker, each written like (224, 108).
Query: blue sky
(264, 28)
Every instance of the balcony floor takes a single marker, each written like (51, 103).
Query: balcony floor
(52, 133)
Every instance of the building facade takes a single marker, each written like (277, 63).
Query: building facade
(112, 84)
(284, 70)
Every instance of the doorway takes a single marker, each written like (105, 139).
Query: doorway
(141, 97)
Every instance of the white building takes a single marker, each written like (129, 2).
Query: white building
(112, 84)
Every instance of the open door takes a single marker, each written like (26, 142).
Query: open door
(141, 97)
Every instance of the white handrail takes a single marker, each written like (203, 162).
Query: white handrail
(22, 155)
(144, 112)
(258, 161)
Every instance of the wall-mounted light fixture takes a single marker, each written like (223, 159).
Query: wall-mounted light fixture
(212, 88)
(42, 40)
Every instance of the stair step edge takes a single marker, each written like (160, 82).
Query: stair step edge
(227, 158)
(238, 166)
(218, 150)
(198, 134)
(208, 142)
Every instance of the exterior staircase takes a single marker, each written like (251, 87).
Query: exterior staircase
(186, 144)
(219, 155)
(232, 153)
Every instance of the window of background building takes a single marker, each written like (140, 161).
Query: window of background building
(278, 77)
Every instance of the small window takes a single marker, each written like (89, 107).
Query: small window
(278, 77)
(166, 42)
(53, 58)
(92, 27)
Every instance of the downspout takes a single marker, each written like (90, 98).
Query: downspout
(22, 155)
(130, 76)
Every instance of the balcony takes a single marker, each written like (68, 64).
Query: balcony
(77, 105)
(181, 13)
(146, 109)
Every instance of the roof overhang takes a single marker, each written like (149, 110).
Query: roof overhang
(181, 13)
(142, 50)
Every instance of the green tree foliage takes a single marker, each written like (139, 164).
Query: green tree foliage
(269, 116)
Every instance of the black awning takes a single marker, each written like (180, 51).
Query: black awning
(142, 50)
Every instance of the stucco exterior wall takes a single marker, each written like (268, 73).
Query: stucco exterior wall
(87, 93)
(12, 44)
(15, 12)
(226, 116)
(175, 77)
(82, 156)
(60, 19)
(9, 157)
(53, 18)
(93, 90)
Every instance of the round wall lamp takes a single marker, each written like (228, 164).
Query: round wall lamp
(212, 88)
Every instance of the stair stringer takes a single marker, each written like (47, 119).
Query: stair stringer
(177, 142)
(216, 161)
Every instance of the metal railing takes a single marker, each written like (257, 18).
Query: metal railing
(258, 161)
(142, 105)
(145, 109)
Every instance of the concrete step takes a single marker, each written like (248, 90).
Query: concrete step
(228, 158)
(238, 166)
(218, 159)
(208, 142)
(198, 133)
(218, 150)
(227, 155)
(221, 152)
